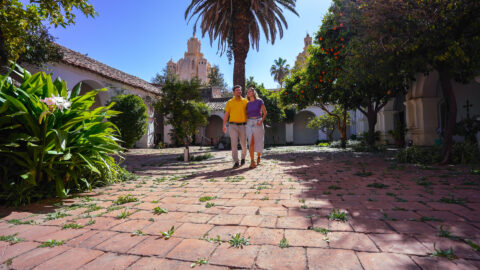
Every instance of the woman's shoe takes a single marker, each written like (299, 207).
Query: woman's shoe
(252, 165)
(258, 160)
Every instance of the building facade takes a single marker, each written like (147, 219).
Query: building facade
(77, 68)
(422, 110)
(193, 64)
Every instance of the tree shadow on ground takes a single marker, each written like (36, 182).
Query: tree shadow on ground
(392, 204)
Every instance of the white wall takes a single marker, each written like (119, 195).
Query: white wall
(73, 75)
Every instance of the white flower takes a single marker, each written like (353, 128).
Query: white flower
(58, 102)
(48, 101)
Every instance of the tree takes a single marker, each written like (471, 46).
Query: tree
(167, 74)
(21, 26)
(133, 119)
(347, 68)
(320, 82)
(180, 104)
(441, 35)
(279, 70)
(327, 122)
(215, 78)
(238, 25)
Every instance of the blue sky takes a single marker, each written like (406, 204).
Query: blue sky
(141, 38)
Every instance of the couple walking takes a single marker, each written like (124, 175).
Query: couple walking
(245, 118)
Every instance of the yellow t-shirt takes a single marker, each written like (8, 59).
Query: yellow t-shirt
(237, 110)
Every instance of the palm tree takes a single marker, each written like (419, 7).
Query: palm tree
(237, 23)
(279, 70)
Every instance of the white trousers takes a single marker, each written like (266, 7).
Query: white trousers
(258, 133)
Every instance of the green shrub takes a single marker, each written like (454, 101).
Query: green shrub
(419, 154)
(465, 153)
(113, 173)
(364, 136)
(359, 146)
(51, 143)
(196, 158)
(338, 144)
(462, 153)
(132, 122)
(365, 147)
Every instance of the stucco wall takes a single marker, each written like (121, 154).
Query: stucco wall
(73, 75)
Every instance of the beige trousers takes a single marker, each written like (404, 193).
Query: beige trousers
(237, 132)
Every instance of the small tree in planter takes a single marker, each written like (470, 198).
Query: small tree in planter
(327, 122)
(180, 104)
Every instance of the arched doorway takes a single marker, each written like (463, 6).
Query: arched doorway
(301, 133)
(89, 85)
(213, 131)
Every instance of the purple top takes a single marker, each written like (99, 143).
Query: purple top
(254, 108)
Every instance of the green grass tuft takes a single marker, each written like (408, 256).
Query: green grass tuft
(52, 243)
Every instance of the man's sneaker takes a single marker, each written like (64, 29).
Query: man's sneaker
(236, 165)
(242, 162)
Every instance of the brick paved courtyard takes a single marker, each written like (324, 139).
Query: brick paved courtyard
(396, 216)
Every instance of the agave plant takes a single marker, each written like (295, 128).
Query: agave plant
(50, 139)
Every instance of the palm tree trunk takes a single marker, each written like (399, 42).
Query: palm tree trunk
(241, 44)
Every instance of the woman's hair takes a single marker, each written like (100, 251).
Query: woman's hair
(255, 95)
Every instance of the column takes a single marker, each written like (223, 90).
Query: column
(385, 123)
(422, 120)
(289, 133)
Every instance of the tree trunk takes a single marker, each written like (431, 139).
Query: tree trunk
(343, 130)
(186, 153)
(449, 96)
(330, 135)
(372, 121)
(241, 44)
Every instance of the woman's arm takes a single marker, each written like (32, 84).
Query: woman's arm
(264, 111)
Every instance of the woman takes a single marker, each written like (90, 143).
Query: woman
(256, 114)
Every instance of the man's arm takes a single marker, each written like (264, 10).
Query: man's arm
(225, 119)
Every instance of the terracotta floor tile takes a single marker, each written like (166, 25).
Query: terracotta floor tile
(274, 257)
(192, 250)
(326, 259)
(65, 260)
(382, 232)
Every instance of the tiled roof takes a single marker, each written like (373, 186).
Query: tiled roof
(217, 104)
(79, 60)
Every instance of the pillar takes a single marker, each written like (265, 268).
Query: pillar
(422, 120)
(289, 133)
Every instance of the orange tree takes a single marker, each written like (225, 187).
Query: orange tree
(347, 68)
(377, 77)
(441, 35)
(321, 82)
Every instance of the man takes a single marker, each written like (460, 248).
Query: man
(236, 115)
